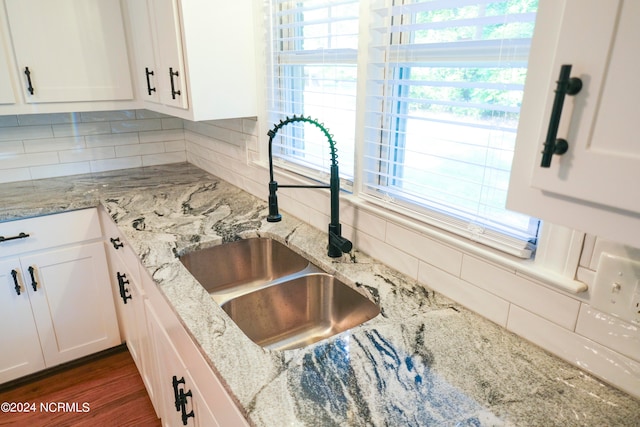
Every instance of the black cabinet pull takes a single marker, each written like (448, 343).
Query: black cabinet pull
(565, 86)
(175, 382)
(28, 74)
(124, 292)
(183, 407)
(34, 284)
(14, 273)
(117, 244)
(19, 236)
(149, 73)
(174, 92)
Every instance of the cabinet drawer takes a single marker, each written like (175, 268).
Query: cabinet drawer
(49, 231)
(118, 246)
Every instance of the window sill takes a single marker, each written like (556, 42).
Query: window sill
(526, 268)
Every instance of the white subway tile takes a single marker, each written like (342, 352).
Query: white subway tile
(63, 169)
(587, 354)
(164, 158)
(12, 161)
(53, 144)
(8, 121)
(10, 148)
(162, 135)
(474, 298)
(609, 331)
(369, 223)
(80, 129)
(136, 125)
(48, 119)
(390, 255)
(250, 126)
(148, 114)
(106, 116)
(139, 149)
(86, 154)
(178, 145)
(111, 139)
(424, 248)
(25, 132)
(16, 174)
(530, 295)
(172, 123)
(115, 164)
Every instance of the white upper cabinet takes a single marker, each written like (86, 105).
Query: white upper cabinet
(69, 50)
(194, 59)
(593, 187)
(6, 88)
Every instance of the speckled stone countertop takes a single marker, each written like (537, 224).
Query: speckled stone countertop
(424, 361)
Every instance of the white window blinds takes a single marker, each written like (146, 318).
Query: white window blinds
(445, 82)
(312, 56)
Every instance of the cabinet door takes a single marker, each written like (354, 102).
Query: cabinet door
(6, 89)
(146, 71)
(171, 70)
(596, 38)
(172, 376)
(75, 50)
(72, 301)
(592, 186)
(21, 353)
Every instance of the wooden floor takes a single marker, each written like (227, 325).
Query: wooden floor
(104, 391)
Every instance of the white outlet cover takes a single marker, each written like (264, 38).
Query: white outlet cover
(616, 288)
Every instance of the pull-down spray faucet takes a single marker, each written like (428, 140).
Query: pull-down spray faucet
(337, 243)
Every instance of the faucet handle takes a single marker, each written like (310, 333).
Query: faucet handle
(338, 244)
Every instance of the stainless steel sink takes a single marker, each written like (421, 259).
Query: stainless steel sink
(234, 268)
(300, 311)
(275, 296)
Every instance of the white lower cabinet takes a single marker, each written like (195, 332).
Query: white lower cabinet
(161, 347)
(56, 304)
(182, 403)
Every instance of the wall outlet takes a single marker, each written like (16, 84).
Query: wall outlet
(616, 288)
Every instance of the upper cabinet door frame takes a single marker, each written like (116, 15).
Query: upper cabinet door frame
(75, 50)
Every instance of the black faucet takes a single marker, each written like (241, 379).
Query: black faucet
(337, 243)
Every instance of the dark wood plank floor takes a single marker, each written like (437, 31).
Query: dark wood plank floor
(104, 391)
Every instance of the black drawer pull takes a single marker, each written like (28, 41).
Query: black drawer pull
(124, 292)
(19, 236)
(28, 74)
(566, 86)
(183, 407)
(34, 284)
(149, 73)
(117, 244)
(174, 92)
(14, 273)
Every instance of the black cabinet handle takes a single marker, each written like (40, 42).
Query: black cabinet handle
(19, 236)
(183, 407)
(117, 244)
(28, 74)
(175, 382)
(174, 92)
(14, 273)
(34, 284)
(565, 86)
(149, 88)
(124, 292)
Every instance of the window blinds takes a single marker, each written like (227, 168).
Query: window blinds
(312, 56)
(445, 81)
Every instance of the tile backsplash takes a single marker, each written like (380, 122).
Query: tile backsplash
(38, 146)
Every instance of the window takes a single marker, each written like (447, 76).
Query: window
(444, 82)
(312, 72)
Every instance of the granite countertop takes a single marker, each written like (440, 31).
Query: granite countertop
(424, 361)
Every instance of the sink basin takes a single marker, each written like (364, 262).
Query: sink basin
(234, 268)
(300, 311)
